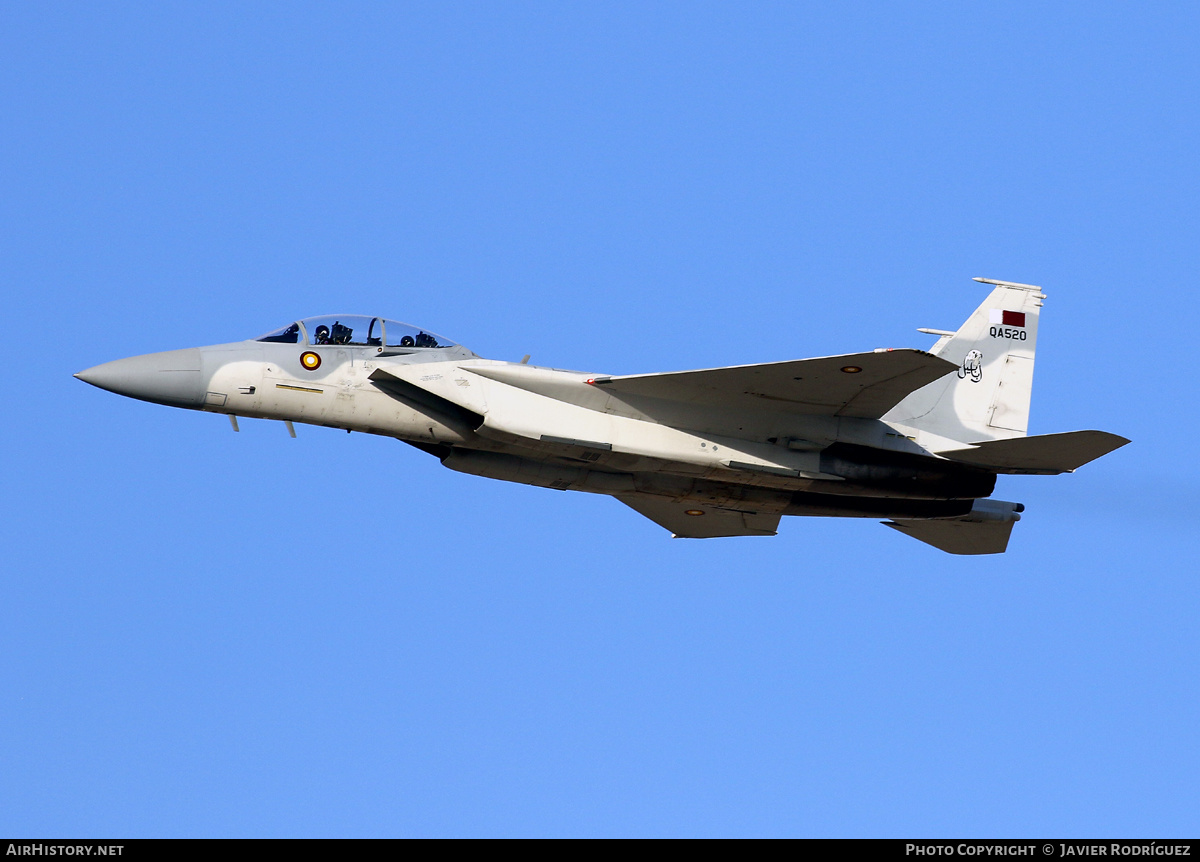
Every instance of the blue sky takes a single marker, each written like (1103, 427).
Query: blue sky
(208, 633)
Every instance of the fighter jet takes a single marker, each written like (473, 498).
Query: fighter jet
(911, 436)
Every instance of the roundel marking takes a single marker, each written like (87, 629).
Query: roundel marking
(851, 369)
(694, 512)
(310, 360)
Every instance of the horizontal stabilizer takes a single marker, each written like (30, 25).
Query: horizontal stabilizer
(1046, 454)
(958, 535)
(983, 530)
(858, 384)
(691, 521)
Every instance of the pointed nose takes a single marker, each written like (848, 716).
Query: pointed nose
(171, 378)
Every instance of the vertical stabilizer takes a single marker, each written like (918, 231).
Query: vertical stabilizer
(988, 398)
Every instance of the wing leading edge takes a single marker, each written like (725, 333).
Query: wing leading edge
(864, 385)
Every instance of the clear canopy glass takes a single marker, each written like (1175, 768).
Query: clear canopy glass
(355, 331)
(347, 329)
(402, 335)
(289, 334)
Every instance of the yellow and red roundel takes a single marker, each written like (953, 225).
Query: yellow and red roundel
(310, 360)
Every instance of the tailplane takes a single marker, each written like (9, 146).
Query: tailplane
(1042, 454)
(988, 397)
(984, 530)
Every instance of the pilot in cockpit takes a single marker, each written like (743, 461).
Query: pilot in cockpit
(322, 334)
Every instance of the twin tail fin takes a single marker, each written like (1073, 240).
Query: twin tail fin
(988, 397)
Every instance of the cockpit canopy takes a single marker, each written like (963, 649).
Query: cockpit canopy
(355, 331)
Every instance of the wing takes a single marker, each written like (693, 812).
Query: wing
(1042, 453)
(857, 384)
(958, 535)
(710, 522)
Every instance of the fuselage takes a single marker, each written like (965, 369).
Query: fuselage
(558, 429)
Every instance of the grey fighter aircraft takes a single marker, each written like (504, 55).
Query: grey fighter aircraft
(912, 436)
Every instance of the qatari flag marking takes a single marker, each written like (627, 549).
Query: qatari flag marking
(1006, 318)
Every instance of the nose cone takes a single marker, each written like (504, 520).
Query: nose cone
(171, 378)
